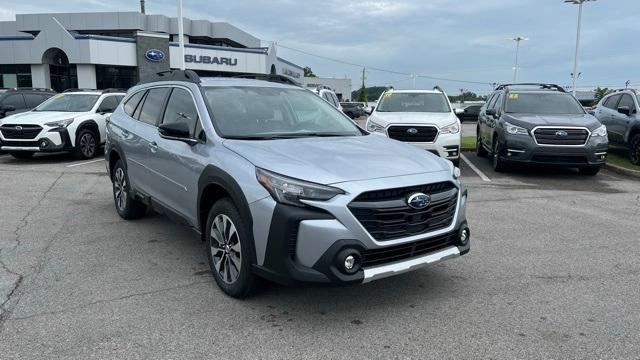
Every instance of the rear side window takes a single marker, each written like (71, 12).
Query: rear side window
(109, 104)
(612, 101)
(627, 100)
(132, 103)
(34, 100)
(180, 108)
(152, 107)
(15, 100)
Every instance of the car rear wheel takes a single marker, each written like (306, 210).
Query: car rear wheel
(127, 206)
(589, 170)
(634, 150)
(86, 144)
(480, 150)
(22, 154)
(230, 250)
(499, 165)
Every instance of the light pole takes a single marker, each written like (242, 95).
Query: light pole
(181, 35)
(575, 58)
(517, 39)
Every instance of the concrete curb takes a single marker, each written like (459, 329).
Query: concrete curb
(622, 170)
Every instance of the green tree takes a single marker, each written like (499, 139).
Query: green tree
(467, 96)
(308, 72)
(600, 93)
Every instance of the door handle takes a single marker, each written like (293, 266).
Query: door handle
(125, 133)
(153, 147)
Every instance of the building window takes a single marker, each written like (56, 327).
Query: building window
(15, 76)
(121, 77)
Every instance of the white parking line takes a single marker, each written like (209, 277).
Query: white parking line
(85, 163)
(474, 168)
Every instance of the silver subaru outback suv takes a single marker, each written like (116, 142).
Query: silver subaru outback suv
(279, 184)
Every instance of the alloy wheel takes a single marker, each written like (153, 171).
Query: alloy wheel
(87, 145)
(225, 249)
(120, 189)
(634, 151)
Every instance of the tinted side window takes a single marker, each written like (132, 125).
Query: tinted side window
(498, 103)
(132, 103)
(180, 108)
(153, 105)
(15, 100)
(109, 104)
(491, 101)
(612, 101)
(34, 100)
(627, 100)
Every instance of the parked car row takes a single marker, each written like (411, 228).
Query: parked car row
(17, 100)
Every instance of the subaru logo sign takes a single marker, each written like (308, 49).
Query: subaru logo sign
(418, 200)
(154, 55)
(19, 128)
(561, 133)
(412, 131)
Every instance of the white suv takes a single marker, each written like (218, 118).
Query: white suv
(71, 121)
(329, 96)
(423, 118)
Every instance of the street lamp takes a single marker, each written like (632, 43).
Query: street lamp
(575, 59)
(517, 39)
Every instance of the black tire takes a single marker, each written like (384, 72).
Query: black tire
(589, 170)
(498, 164)
(480, 150)
(127, 206)
(231, 256)
(22, 154)
(86, 144)
(634, 150)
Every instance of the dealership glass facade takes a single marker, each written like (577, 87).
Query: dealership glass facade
(15, 76)
(121, 77)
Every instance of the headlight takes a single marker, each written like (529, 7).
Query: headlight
(601, 131)
(59, 123)
(450, 129)
(373, 127)
(515, 130)
(455, 171)
(290, 191)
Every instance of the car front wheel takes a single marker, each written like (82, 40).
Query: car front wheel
(230, 250)
(127, 206)
(499, 165)
(634, 150)
(86, 144)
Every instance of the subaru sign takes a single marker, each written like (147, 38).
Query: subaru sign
(154, 55)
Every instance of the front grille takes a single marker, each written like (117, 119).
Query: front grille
(419, 134)
(561, 136)
(386, 215)
(20, 131)
(19, 143)
(406, 251)
(560, 159)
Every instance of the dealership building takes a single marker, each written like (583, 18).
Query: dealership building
(118, 49)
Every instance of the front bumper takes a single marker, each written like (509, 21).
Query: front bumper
(445, 146)
(308, 246)
(47, 141)
(523, 149)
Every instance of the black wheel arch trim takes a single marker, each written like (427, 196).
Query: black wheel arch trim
(89, 123)
(115, 148)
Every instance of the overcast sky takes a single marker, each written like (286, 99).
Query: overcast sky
(454, 39)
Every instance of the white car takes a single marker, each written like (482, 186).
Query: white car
(329, 96)
(423, 118)
(73, 121)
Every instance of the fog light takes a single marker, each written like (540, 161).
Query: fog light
(464, 236)
(349, 262)
(43, 144)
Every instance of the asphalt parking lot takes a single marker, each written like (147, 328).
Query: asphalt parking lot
(553, 273)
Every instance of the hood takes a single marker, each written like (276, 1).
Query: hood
(438, 119)
(330, 160)
(530, 121)
(38, 117)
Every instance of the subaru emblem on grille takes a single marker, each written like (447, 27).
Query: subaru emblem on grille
(561, 133)
(418, 200)
(412, 131)
(19, 128)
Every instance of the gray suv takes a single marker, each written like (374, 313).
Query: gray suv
(540, 124)
(280, 184)
(620, 112)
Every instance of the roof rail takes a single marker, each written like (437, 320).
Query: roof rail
(269, 77)
(174, 75)
(114, 90)
(539, 85)
(438, 88)
(30, 89)
(627, 89)
(78, 90)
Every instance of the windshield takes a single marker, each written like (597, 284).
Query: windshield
(69, 103)
(413, 102)
(556, 103)
(265, 112)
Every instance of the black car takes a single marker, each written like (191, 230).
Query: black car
(17, 100)
(470, 113)
(352, 109)
(540, 124)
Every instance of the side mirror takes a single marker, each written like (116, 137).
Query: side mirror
(105, 111)
(179, 131)
(624, 110)
(7, 108)
(368, 110)
(490, 112)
